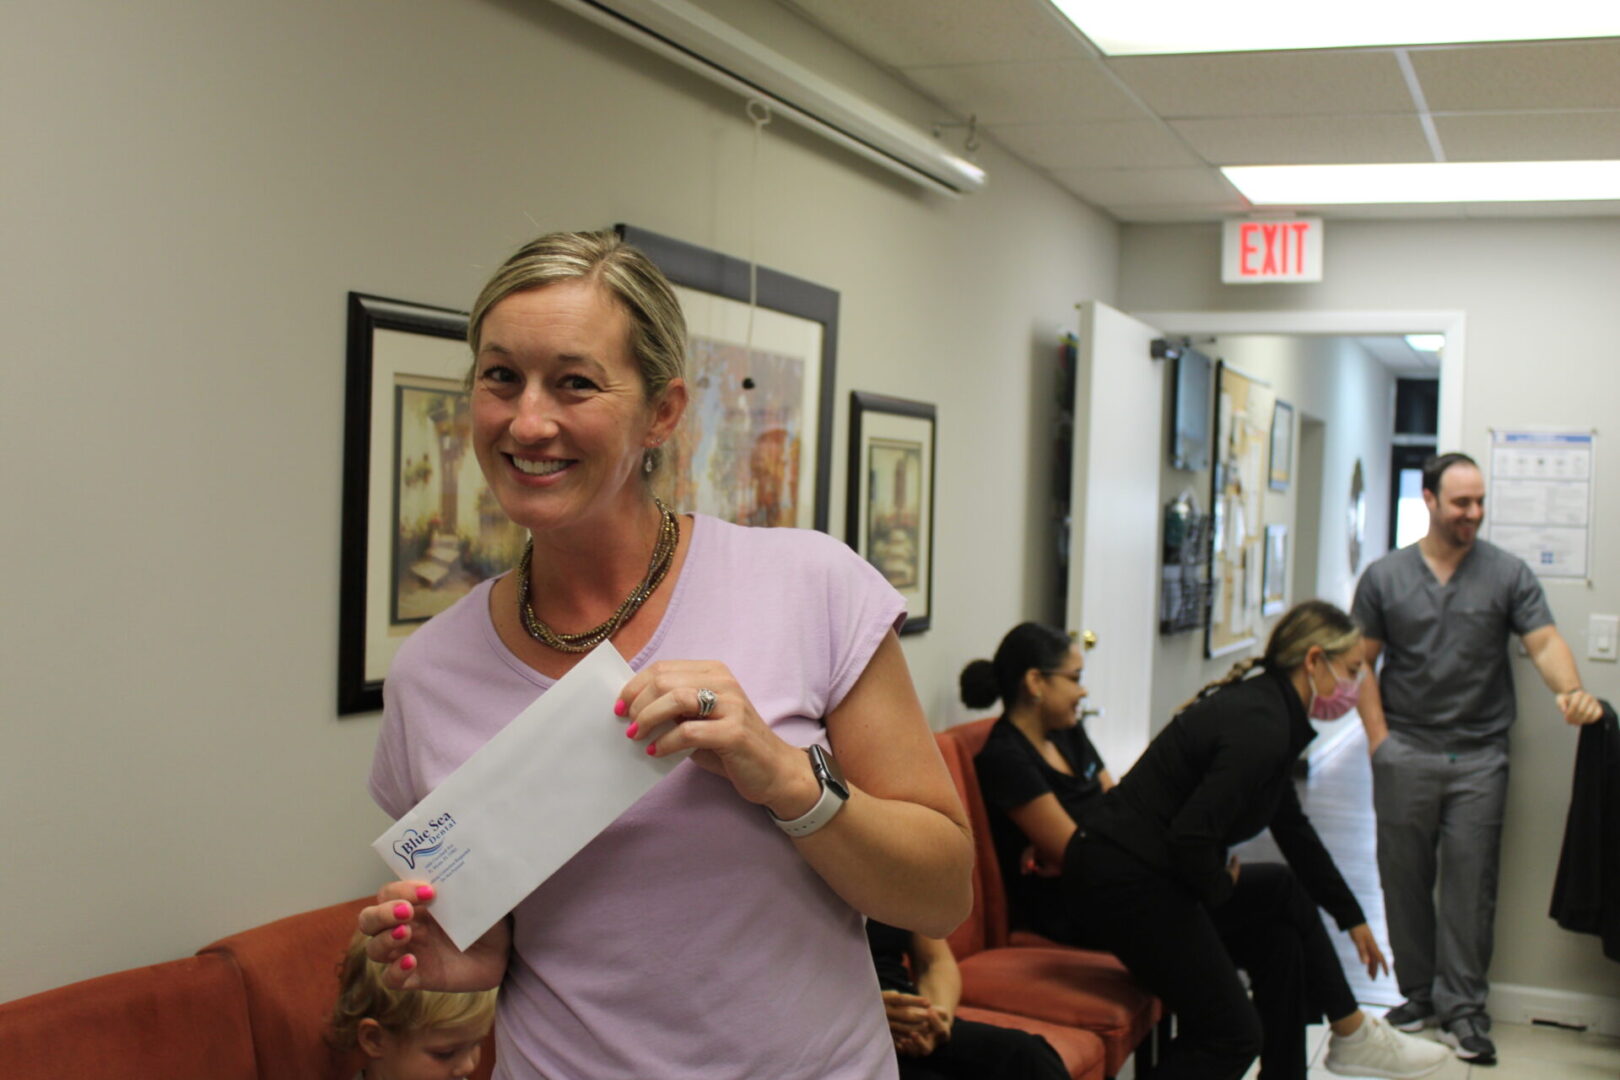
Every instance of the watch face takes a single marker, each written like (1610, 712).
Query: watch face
(828, 772)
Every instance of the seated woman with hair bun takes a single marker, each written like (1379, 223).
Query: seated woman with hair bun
(1037, 770)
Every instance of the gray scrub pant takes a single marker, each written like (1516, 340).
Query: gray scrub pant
(1440, 817)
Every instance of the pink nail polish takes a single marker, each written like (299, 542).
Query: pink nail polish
(620, 707)
(402, 910)
(399, 933)
(630, 732)
(407, 962)
(424, 892)
(652, 749)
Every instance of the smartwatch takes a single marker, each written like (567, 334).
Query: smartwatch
(834, 793)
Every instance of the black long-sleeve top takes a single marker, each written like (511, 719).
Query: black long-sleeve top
(1216, 776)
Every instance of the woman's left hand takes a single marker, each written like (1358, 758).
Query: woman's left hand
(732, 741)
(1367, 948)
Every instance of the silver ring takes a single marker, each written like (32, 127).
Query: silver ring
(706, 700)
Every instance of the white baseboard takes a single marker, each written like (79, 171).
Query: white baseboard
(1514, 1004)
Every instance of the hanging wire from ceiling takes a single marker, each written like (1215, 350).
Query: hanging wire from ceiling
(759, 114)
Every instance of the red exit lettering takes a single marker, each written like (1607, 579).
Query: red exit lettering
(1269, 249)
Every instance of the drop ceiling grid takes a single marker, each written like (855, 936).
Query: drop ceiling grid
(1041, 91)
(929, 33)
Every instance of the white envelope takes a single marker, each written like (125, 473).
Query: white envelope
(526, 802)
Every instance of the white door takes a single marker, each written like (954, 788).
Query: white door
(1114, 580)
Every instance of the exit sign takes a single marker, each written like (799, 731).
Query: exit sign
(1287, 249)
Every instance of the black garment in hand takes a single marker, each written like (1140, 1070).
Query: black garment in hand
(1586, 892)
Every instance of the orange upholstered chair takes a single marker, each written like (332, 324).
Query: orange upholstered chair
(1047, 982)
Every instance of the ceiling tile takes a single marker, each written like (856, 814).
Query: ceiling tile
(1555, 136)
(1036, 92)
(1543, 75)
(910, 33)
(1268, 84)
(1305, 140)
(1100, 144)
(1150, 187)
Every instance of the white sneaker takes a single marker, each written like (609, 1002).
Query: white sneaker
(1377, 1049)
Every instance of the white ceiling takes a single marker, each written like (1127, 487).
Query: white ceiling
(1141, 136)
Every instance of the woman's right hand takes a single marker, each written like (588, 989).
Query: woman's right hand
(417, 954)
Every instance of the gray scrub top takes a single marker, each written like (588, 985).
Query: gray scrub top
(1445, 679)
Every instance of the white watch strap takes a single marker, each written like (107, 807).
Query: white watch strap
(825, 810)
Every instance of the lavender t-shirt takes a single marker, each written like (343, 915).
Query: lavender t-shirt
(689, 939)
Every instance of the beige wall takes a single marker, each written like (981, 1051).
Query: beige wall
(1536, 296)
(1335, 381)
(191, 188)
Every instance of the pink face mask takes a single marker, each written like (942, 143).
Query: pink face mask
(1338, 701)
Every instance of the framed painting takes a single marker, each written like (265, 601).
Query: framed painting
(420, 525)
(889, 518)
(1281, 462)
(755, 446)
(1274, 591)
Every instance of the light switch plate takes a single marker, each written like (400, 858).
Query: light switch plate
(1603, 638)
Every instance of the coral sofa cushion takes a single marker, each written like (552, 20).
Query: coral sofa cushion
(290, 971)
(185, 1018)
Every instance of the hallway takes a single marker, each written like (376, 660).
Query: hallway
(1338, 799)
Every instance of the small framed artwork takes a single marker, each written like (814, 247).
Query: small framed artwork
(1274, 590)
(420, 525)
(1282, 445)
(889, 517)
(755, 445)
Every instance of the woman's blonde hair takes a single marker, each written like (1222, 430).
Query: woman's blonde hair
(1306, 625)
(363, 996)
(657, 327)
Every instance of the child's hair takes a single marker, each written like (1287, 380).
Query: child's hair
(362, 995)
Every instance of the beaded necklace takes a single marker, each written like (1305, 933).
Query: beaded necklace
(669, 533)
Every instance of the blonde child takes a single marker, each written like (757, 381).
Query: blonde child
(407, 1034)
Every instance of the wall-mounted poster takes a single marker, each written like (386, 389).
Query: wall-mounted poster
(420, 525)
(1239, 477)
(755, 445)
(890, 513)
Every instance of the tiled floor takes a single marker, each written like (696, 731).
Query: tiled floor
(1523, 1053)
(1338, 799)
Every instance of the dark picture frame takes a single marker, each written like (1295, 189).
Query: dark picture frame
(775, 450)
(889, 515)
(1274, 586)
(1280, 460)
(419, 526)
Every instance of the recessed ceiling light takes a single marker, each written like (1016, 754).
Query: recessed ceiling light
(1440, 182)
(1182, 26)
(1429, 343)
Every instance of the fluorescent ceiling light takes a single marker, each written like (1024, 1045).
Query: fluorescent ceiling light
(1429, 343)
(1184, 26)
(1443, 182)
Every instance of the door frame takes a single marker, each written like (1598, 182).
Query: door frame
(1344, 324)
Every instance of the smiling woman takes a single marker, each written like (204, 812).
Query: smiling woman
(814, 793)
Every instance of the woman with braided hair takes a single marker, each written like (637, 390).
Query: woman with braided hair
(1147, 872)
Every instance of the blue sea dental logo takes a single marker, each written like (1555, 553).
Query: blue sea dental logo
(424, 842)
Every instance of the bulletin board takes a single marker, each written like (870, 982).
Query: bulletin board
(1239, 474)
